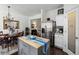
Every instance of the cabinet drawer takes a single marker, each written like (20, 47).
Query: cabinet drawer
(24, 48)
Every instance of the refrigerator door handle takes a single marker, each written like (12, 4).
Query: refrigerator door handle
(76, 37)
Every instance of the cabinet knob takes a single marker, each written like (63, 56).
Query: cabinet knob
(76, 38)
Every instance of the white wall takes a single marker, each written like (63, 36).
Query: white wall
(17, 16)
(37, 16)
(52, 14)
(69, 7)
(2, 13)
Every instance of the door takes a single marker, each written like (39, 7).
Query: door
(71, 31)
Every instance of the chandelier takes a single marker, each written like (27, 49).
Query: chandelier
(8, 17)
(9, 20)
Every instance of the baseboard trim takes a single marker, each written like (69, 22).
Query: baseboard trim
(68, 51)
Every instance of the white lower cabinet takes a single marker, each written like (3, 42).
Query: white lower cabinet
(24, 48)
(59, 41)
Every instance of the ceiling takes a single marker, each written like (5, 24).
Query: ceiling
(32, 9)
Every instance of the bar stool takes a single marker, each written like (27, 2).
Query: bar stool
(10, 41)
(14, 40)
(6, 42)
(2, 41)
(3, 44)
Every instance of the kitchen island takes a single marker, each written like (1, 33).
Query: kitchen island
(33, 45)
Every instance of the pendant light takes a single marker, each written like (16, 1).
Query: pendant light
(9, 15)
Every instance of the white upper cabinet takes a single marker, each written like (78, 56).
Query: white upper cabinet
(60, 20)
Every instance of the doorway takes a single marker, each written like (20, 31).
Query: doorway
(71, 31)
(36, 27)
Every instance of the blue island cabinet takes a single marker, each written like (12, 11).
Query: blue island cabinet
(27, 47)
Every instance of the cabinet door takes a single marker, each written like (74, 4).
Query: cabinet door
(23, 48)
(56, 40)
(59, 20)
(33, 51)
(59, 41)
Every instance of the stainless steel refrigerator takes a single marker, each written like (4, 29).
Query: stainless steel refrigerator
(48, 31)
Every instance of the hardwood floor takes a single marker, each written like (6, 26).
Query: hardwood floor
(57, 51)
(53, 51)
